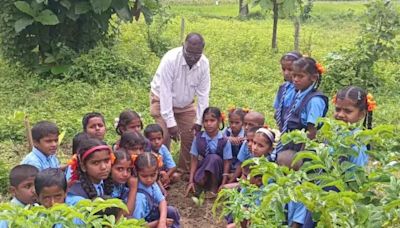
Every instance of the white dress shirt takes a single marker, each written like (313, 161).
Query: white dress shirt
(176, 85)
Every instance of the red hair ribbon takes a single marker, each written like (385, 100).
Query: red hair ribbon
(93, 149)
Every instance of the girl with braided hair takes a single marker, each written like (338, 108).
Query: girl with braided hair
(91, 168)
(353, 104)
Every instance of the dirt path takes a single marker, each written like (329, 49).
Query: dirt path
(191, 214)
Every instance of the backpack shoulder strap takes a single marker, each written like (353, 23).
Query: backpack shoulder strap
(220, 146)
(201, 144)
(77, 189)
(307, 99)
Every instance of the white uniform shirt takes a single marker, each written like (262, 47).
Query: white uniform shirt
(176, 85)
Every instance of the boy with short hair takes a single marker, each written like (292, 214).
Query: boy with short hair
(51, 187)
(252, 121)
(155, 134)
(45, 141)
(22, 188)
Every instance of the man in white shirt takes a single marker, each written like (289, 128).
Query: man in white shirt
(183, 74)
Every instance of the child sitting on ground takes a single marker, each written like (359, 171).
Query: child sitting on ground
(45, 141)
(90, 172)
(22, 187)
(124, 184)
(211, 156)
(251, 120)
(133, 142)
(235, 133)
(50, 187)
(150, 202)
(154, 133)
(94, 125)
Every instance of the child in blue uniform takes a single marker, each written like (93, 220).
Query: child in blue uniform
(45, 141)
(252, 120)
(308, 104)
(154, 133)
(295, 211)
(22, 187)
(353, 104)
(235, 133)
(124, 184)
(51, 187)
(150, 202)
(90, 171)
(133, 142)
(212, 171)
(94, 125)
(286, 91)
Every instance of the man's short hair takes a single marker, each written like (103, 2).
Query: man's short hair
(195, 34)
(50, 177)
(43, 129)
(22, 172)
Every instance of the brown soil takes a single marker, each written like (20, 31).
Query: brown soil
(191, 214)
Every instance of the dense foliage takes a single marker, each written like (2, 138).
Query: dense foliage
(49, 34)
(366, 197)
(86, 213)
(380, 26)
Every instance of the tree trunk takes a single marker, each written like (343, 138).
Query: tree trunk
(275, 27)
(243, 8)
(296, 22)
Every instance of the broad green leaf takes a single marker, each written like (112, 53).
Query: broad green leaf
(46, 17)
(72, 15)
(66, 4)
(124, 13)
(82, 7)
(25, 7)
(22, 23)
(100, 6)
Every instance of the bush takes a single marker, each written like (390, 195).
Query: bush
(3, 178)
(103, 64)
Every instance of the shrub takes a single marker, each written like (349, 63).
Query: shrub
(3, 178)
(48, 34)
(103, 64)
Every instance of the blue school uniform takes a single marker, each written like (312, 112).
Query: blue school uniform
(15, 201)
(76, 193)
(142, 206)
(244, 153)
(168, 161)
(120, 191)
(40, 160)
(147, 205)
(296, 212)
(235, 148)
(307, 106)
(214, 151)
(212, 144)
(283, 101)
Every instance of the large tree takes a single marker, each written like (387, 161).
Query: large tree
(49, 33)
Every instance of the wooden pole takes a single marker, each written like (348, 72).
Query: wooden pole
(28, 132)
(182, 29)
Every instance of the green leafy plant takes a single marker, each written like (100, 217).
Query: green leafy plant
(86, 213)
(48, 34)
(364, 197)
(380, 26)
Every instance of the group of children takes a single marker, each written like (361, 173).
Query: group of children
(139, 168)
